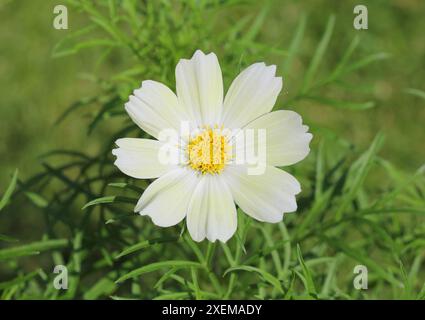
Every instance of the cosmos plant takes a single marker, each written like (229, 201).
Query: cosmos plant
(205, 185)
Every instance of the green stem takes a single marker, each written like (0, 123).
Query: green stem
(204, 262)
(233, 261)
(287, 252)
(275, 255)
(198, 294)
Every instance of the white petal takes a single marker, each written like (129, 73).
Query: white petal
(264, 197)
(212, 212)
(200, 87)
(287, 139)
(155, 107)
(252, 94)
(138, 158)
(166, 200)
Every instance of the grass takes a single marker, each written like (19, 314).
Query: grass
(358, 204)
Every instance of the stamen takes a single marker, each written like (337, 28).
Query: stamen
(208, 151)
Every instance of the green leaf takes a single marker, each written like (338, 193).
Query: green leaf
(416, 267)
(421, 295)
(366, 61)
(9, 191)
(165, 277)
(84, 45)
(358, 256)
(64, 152)
(159, 265)
(268, 277)
(345, 68)
(145, 244)
(331, 274)
(419, 211)
(104, 287)
(74, 265)
(59, 174)
(173, 296)
(73, 107)
(123, 185)
(289, 291)
(32, 248)
(109, 199)
(6, 238)
(309, 283)
(38, 200)
(415, 92)
(342, 63)
(318, 55)
(194, 274)
(320, 171)
(358, 172)
(350, 105)
(401, 185)
(122, 298)
(266, 251)
(19, 280)
(295, 44)
(406, 281)
(256, 25)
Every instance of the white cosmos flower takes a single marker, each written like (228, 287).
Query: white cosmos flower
(205, 193)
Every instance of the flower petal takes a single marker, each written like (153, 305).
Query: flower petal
(155, 107)
(139, 158)
(212, 212)
(252, 94)
(166, 200)
(200, 87)
(264, 197)
(287, 139)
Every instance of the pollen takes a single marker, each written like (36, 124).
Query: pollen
(208, 151)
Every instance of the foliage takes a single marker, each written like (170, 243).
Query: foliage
(87, 204)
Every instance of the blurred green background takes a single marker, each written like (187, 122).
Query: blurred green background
(36, 88)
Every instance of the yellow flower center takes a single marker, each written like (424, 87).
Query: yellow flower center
(208, 152)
